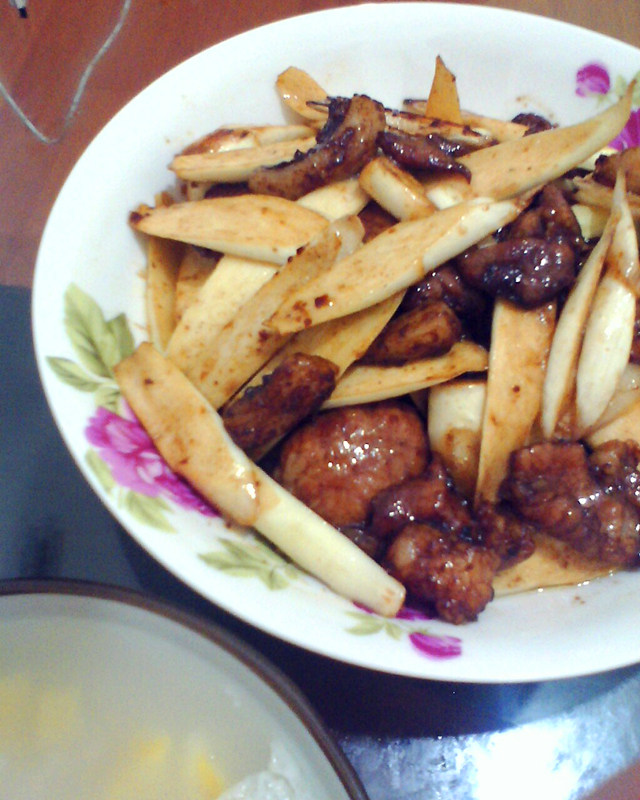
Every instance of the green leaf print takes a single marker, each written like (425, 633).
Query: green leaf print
(96, 342)
(100, 470)
(69, 372)
(252, 560)
(369, 624)
(148, 510)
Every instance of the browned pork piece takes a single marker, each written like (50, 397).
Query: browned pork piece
(424, 332)
(628, 160)
(471, 306)
(582, 500)
(433, 548)
(339, 460)
(537, 258)
(430, 153)
(453, 575)
(344, 146)
(430, 497)
(264, 413)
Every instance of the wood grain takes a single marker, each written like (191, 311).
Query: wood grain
(42, 58)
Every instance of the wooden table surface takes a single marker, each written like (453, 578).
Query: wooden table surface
(43, 56)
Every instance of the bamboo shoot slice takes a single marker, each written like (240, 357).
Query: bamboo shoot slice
(396, 190)
(192, 439)
(515, 166)
(234, 166)
(341, 341)
(250, 226)
(368, 384)
(390, 262)
(609, 329)
(559, 382)
(163, 262)
(231, 284)
(454, 419)
(301, 93)
(520, 342)
(244, 344)
(194, 271)
(443, 102)
(335, 200)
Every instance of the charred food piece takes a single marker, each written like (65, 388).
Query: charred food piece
(533, 122)
(339, 460)
(616, 465)
(504, 533)
(268, 411)
(424, 332)
(432, 544)
(430, 153)
(344, 146)
(453, 575)
(606, 168)
(537, 258)
(375, 219)
(554, 487)
(430, 497)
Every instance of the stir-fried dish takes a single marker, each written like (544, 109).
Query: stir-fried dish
(403, 344)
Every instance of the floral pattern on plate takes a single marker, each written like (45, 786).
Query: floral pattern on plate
(594, 80)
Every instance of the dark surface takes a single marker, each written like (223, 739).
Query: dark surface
(406, 738)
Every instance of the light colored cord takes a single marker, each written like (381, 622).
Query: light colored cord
(77, 97)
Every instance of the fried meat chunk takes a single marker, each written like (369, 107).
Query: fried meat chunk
(453, 575)
(553, 486)
(340, 459)
(424, 332)
(434, 549)
(293, 391)
(537, 257)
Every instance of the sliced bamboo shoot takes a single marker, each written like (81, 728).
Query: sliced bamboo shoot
(553, 563)
(194, 270)
(250, 226)
(609, 329)
(390, 262)
(622, 425)
(192, 439)
(299, 91)
(244, 344)
(335, 200)
(559, 382)
(367, 384)
(520, 342)
(591, 193)
(231, 284)
(163, 262)
(233, 166)
(454, 418)
(396, 190)
(443, 102)
(517, 165)
(592, 219)
(341, 341)
(242, 137)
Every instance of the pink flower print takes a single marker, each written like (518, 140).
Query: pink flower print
(406, 612)
(134, 461)
(592, 79)
(439, 647)
(629, 136)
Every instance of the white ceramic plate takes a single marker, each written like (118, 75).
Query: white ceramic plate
(106, 693)
(89, 273)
